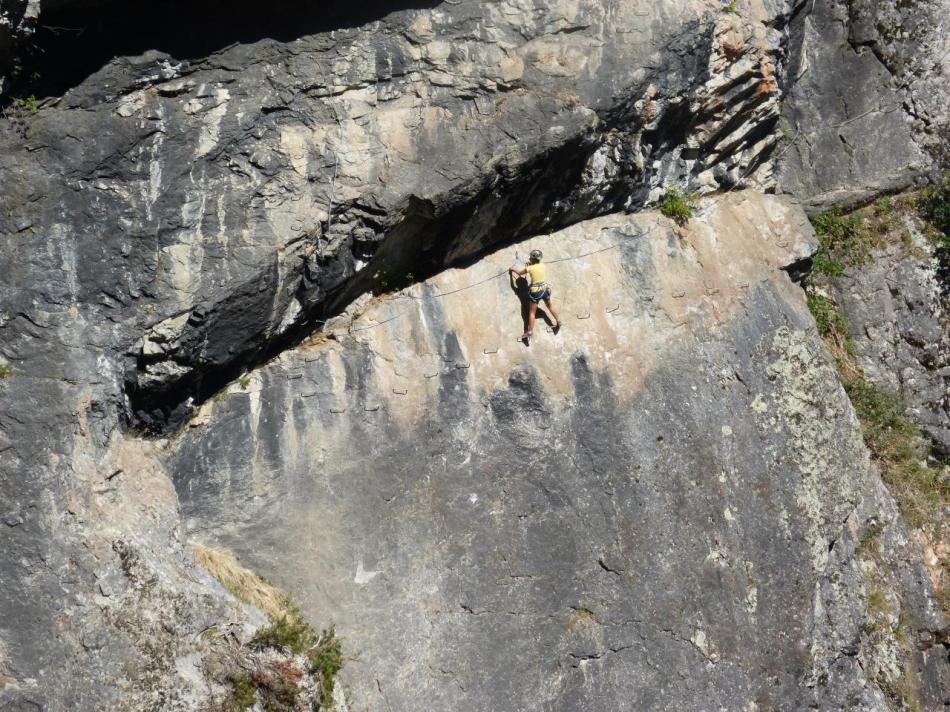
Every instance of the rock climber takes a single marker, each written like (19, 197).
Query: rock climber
(538, 291)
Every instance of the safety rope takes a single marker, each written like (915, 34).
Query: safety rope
(715, 201)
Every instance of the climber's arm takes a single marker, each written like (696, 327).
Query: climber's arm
(520, 271)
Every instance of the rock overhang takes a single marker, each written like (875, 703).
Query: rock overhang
(458, 485)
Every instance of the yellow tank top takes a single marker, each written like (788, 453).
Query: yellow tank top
(537, 272)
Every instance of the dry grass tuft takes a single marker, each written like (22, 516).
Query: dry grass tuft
(242, 583)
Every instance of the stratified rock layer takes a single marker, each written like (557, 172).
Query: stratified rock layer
(213, 210)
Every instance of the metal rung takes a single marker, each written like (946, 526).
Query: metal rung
(431, 375)
(613, 309)
(463, 365)
(586, 316)
(486, 351)
(337, 410)
(400, 392)
(371, 409)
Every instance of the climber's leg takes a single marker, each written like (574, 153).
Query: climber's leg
(532, 314)
(550, 305)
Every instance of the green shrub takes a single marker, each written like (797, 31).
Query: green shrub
(849, 239)
(677, 205)
(324, 651)
(884, 207)
(894, 440)
(326, 659)
(275, 684)
(243, 693)
(824, 264)
(877, 611)
(28, 103)
(870, 544)
(896, 443)
(290, 630)
(843, 240)
(934, 204)
(826, 313)
(5, 370)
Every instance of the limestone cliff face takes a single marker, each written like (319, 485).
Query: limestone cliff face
(659, 507)
(671, 488)
(898, 311)
(867, 95)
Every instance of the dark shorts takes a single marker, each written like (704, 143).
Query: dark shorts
(540, 296)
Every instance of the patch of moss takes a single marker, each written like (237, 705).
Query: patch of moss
(5, 370)
(580, 615)
(933, 203)
(243, 693)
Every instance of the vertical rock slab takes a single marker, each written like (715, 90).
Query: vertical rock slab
(866, 98)
(655, 508)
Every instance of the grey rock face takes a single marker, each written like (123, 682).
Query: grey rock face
(868, 97)
(174, 219)
(897, 314)
(670, 489)
(217, 208)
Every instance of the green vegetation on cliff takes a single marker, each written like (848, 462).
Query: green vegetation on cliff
(254, 674)
(934, 205)
(849, 239)
(915, 474)
(677, 205)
